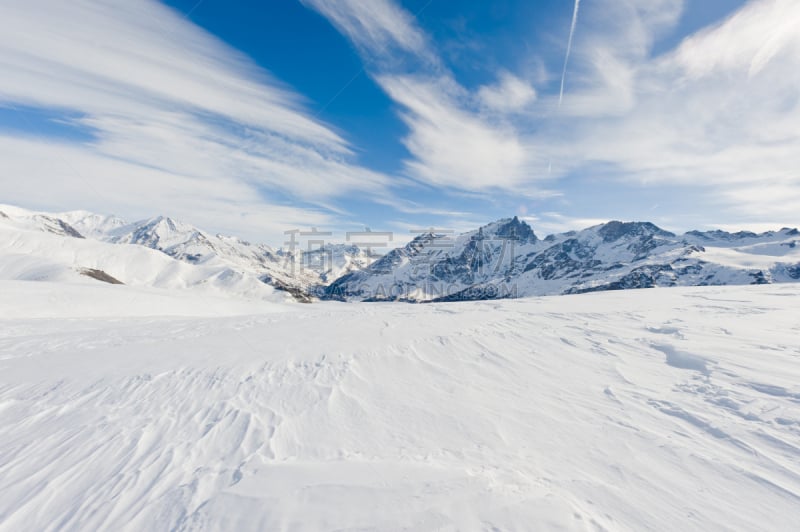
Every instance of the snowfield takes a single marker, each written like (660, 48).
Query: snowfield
(125, 408)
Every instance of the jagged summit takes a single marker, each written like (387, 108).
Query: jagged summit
(718, 234)
(506, 259)
(615, 230)
(501, 259)
(223, 260)
(92, 225)
(38, 221)
(508, 228)
(160, 232)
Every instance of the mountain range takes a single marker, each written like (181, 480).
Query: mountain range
(503, 259)
(506, 259)
(162, 253)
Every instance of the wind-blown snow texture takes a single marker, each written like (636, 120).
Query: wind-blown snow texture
(672, 409)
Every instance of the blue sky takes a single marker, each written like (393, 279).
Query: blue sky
(253, 118)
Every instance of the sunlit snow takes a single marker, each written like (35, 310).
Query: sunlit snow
(125, 408)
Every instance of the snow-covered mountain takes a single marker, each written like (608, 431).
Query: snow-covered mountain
(299, 274)
(503, 259)
(190, 244)
(44, 247)
(91, 225)
(34, 221)
(506, 259)
(33, 255)
(332, 261)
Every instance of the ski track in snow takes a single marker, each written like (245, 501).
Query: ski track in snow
(666, 409)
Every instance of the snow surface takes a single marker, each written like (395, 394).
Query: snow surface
(662, 409)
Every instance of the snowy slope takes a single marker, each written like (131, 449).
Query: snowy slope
(18, 218)
(297, 272)
(638, 410)
(27, 252)
(90, 299)
(506, 259)
(222, 261)
(189, 244)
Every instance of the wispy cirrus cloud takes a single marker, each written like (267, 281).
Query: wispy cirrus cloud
(457, 137)
(211, 137)
(510, 94)
(453, 146)
(380, 28)
(720, 110)
(62, 175)
(715, 116)
(162, 97)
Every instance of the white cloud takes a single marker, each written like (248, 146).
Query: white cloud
(163, 98)
(548, 223)
(452, 146)
(509, 94)
(716, 116)
(53, 176)
(256, 156)
(704, 115)
(755, 35)
(458, 138)
(174, 109)
(613, 44)
(106, 56)
(376, 26)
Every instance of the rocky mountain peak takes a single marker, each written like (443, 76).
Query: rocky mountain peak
(615, 230)
(509, 228)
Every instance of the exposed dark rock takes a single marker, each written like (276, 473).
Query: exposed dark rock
(722, 235)
(615, 230)
(100, 275)
(645, 277)
(57, 226)
(297, 293)
(612, 256)
(515, 229)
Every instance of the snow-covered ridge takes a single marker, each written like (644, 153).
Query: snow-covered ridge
(506, 259)
(503, 259)
(215, 256)
(39, 247)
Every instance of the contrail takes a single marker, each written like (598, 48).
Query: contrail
(569, 49)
